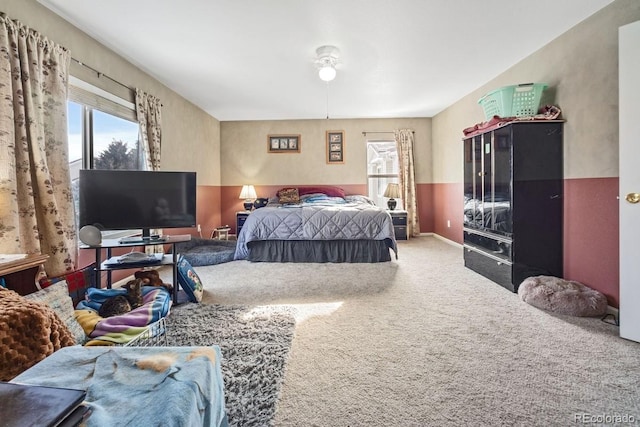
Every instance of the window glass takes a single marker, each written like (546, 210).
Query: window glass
(99, 140)
(115, 142)
(74, 129)
(382, 169)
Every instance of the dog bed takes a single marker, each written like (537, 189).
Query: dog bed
(156, 303)
(562, 296)
(207, 251)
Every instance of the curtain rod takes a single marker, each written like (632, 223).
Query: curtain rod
(101, 74)
(365, 132)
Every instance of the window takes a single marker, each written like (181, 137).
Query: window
(382, 169)
(102, 133)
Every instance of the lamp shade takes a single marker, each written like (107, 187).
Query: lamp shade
(392, 191)
(248, 192)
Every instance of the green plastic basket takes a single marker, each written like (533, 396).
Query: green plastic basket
(513, 101)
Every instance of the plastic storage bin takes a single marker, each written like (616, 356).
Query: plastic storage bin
(513, 101)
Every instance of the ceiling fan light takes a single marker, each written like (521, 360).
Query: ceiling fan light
(327, 73)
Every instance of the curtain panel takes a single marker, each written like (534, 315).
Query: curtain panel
(405, 141)
(36, 202)
(149, 120)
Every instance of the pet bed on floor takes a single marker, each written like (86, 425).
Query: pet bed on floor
(156, 303)
(562, 296)
(201, 252)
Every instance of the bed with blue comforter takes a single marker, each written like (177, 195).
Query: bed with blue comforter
(318, 228)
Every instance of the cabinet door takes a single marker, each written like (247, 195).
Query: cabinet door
(473, 182)
(501, 201)
(469, 183)
(486, 175)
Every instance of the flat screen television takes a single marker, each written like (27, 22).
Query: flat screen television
(127, 199)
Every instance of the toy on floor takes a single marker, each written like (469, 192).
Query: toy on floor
(152, 278)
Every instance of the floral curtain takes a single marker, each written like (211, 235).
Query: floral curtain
(149, 120)
(404, 141)
(36, 203)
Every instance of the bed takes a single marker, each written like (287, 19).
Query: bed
(317, 224)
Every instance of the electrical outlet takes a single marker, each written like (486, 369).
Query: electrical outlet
(199, 228)
(448, 224)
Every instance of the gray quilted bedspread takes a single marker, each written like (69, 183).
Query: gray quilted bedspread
(353, 221)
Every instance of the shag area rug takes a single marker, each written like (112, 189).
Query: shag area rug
(255, 343)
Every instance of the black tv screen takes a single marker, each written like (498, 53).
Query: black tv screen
(125, 199)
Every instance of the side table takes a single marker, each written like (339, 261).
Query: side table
(399, 219)
(19, 272)
(241, 217)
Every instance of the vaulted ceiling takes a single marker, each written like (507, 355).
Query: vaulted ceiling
(254, 60)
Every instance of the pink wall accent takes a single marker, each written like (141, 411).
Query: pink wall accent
(447, 206)
(424, 194)
(591, 234)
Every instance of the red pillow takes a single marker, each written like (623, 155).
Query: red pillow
(330, 191)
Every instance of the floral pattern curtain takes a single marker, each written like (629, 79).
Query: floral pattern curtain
(36, 203)
(404, 142)
(149, 120)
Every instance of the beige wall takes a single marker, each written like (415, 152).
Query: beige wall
(245, 158)
(191, 137)
(581, 68)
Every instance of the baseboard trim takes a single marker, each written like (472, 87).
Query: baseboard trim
(444, 239)
(612, 310)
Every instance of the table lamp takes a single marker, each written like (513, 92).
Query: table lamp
(248, 193)
(393, 192)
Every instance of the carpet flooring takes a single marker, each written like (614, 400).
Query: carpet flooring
(423, 341)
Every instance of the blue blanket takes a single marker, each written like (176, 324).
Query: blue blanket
(134, 386)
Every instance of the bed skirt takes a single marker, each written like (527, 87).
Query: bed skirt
(353, 251)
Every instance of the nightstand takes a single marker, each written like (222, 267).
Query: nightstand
(399, 219)
(241, 217)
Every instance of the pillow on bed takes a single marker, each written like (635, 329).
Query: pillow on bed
(289, 195)
(57, 297)
(328, 190)
(189, 280)
(358, 198)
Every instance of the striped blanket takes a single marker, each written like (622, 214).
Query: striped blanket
(156, 303)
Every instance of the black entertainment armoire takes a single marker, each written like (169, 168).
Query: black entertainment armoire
(513, 186)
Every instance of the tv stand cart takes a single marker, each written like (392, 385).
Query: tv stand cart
(110, 244)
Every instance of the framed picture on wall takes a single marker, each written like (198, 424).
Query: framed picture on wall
(283, 143)
(335, 146)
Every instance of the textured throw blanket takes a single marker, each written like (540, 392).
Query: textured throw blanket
(133, 386)
(156, 303)
(29, 332)
(548, 112)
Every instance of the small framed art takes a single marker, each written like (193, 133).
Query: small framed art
(283, 143)
(335, 146)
